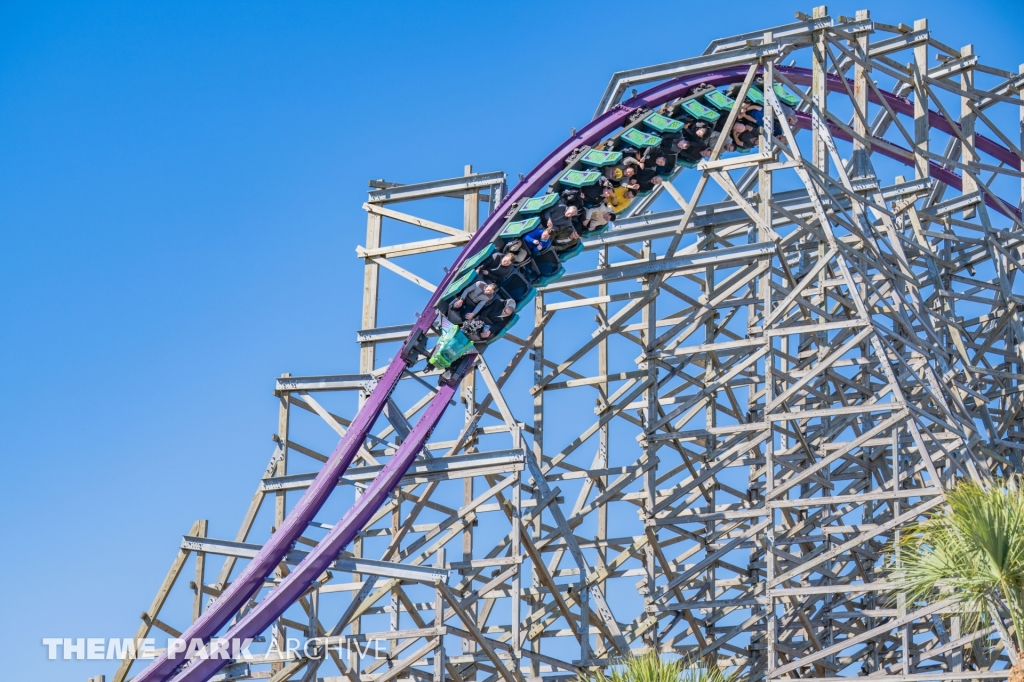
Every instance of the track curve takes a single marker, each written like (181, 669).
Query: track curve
(283, 540)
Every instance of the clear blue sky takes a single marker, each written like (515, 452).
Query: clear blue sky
(180, 191)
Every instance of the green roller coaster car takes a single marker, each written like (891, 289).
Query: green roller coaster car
(451, 345)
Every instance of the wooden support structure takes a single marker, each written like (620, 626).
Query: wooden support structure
(701, 439)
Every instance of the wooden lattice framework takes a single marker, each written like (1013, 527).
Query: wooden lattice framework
(789, 364)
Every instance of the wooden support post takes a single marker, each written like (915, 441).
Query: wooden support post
(861, 164)
(538, 452)
(470, 207)
(921, 129)
(367, 363)
(439, 621)
(768, 546)
(470, 220)
(648, 334)
(371, 275)
(819, 90)
(967, 152)
(281, 510)
(601, 461)
(197, 600)
(517, 579)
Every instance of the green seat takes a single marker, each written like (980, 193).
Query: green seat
(599, 231)
(473, 261)
(504, 330)
(571, 253)
(519, 228)
(699, 111)
(579, 178)
(538, 204)
(557, 275)
(663, 124)
(785, 95)
(719, 100)
(526, 299)
(451, 345)
(458, 284)
(640, 139)
(686, 164)
(599, 158)
(755, 95)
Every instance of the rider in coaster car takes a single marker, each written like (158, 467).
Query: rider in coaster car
(595, 195)
(730, 145)
(497, 267)
(560, 216)
(648, 178)
(745, 135)
(665, 162)
(620, 199)
(521, 256)
(631, 156)
(567, 225)
(500, 268)
(598, 217)
(497, 315)
(692, 143)
(621, 173)
(754, 114)
(538, 239)
(751, 113)
(572, 196)
(476, 330)
(471, 301)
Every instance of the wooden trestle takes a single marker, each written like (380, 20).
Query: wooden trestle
(703, 437)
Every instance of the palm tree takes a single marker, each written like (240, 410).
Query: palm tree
(650, 667)
(971, 552)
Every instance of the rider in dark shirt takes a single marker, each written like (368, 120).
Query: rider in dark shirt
(497, 267)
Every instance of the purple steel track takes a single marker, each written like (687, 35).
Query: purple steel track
(318, 560)
(312, 566)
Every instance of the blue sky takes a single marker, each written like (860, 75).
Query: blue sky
(180, 192)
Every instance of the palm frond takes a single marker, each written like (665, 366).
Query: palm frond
(651, 667)
(971, 552)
